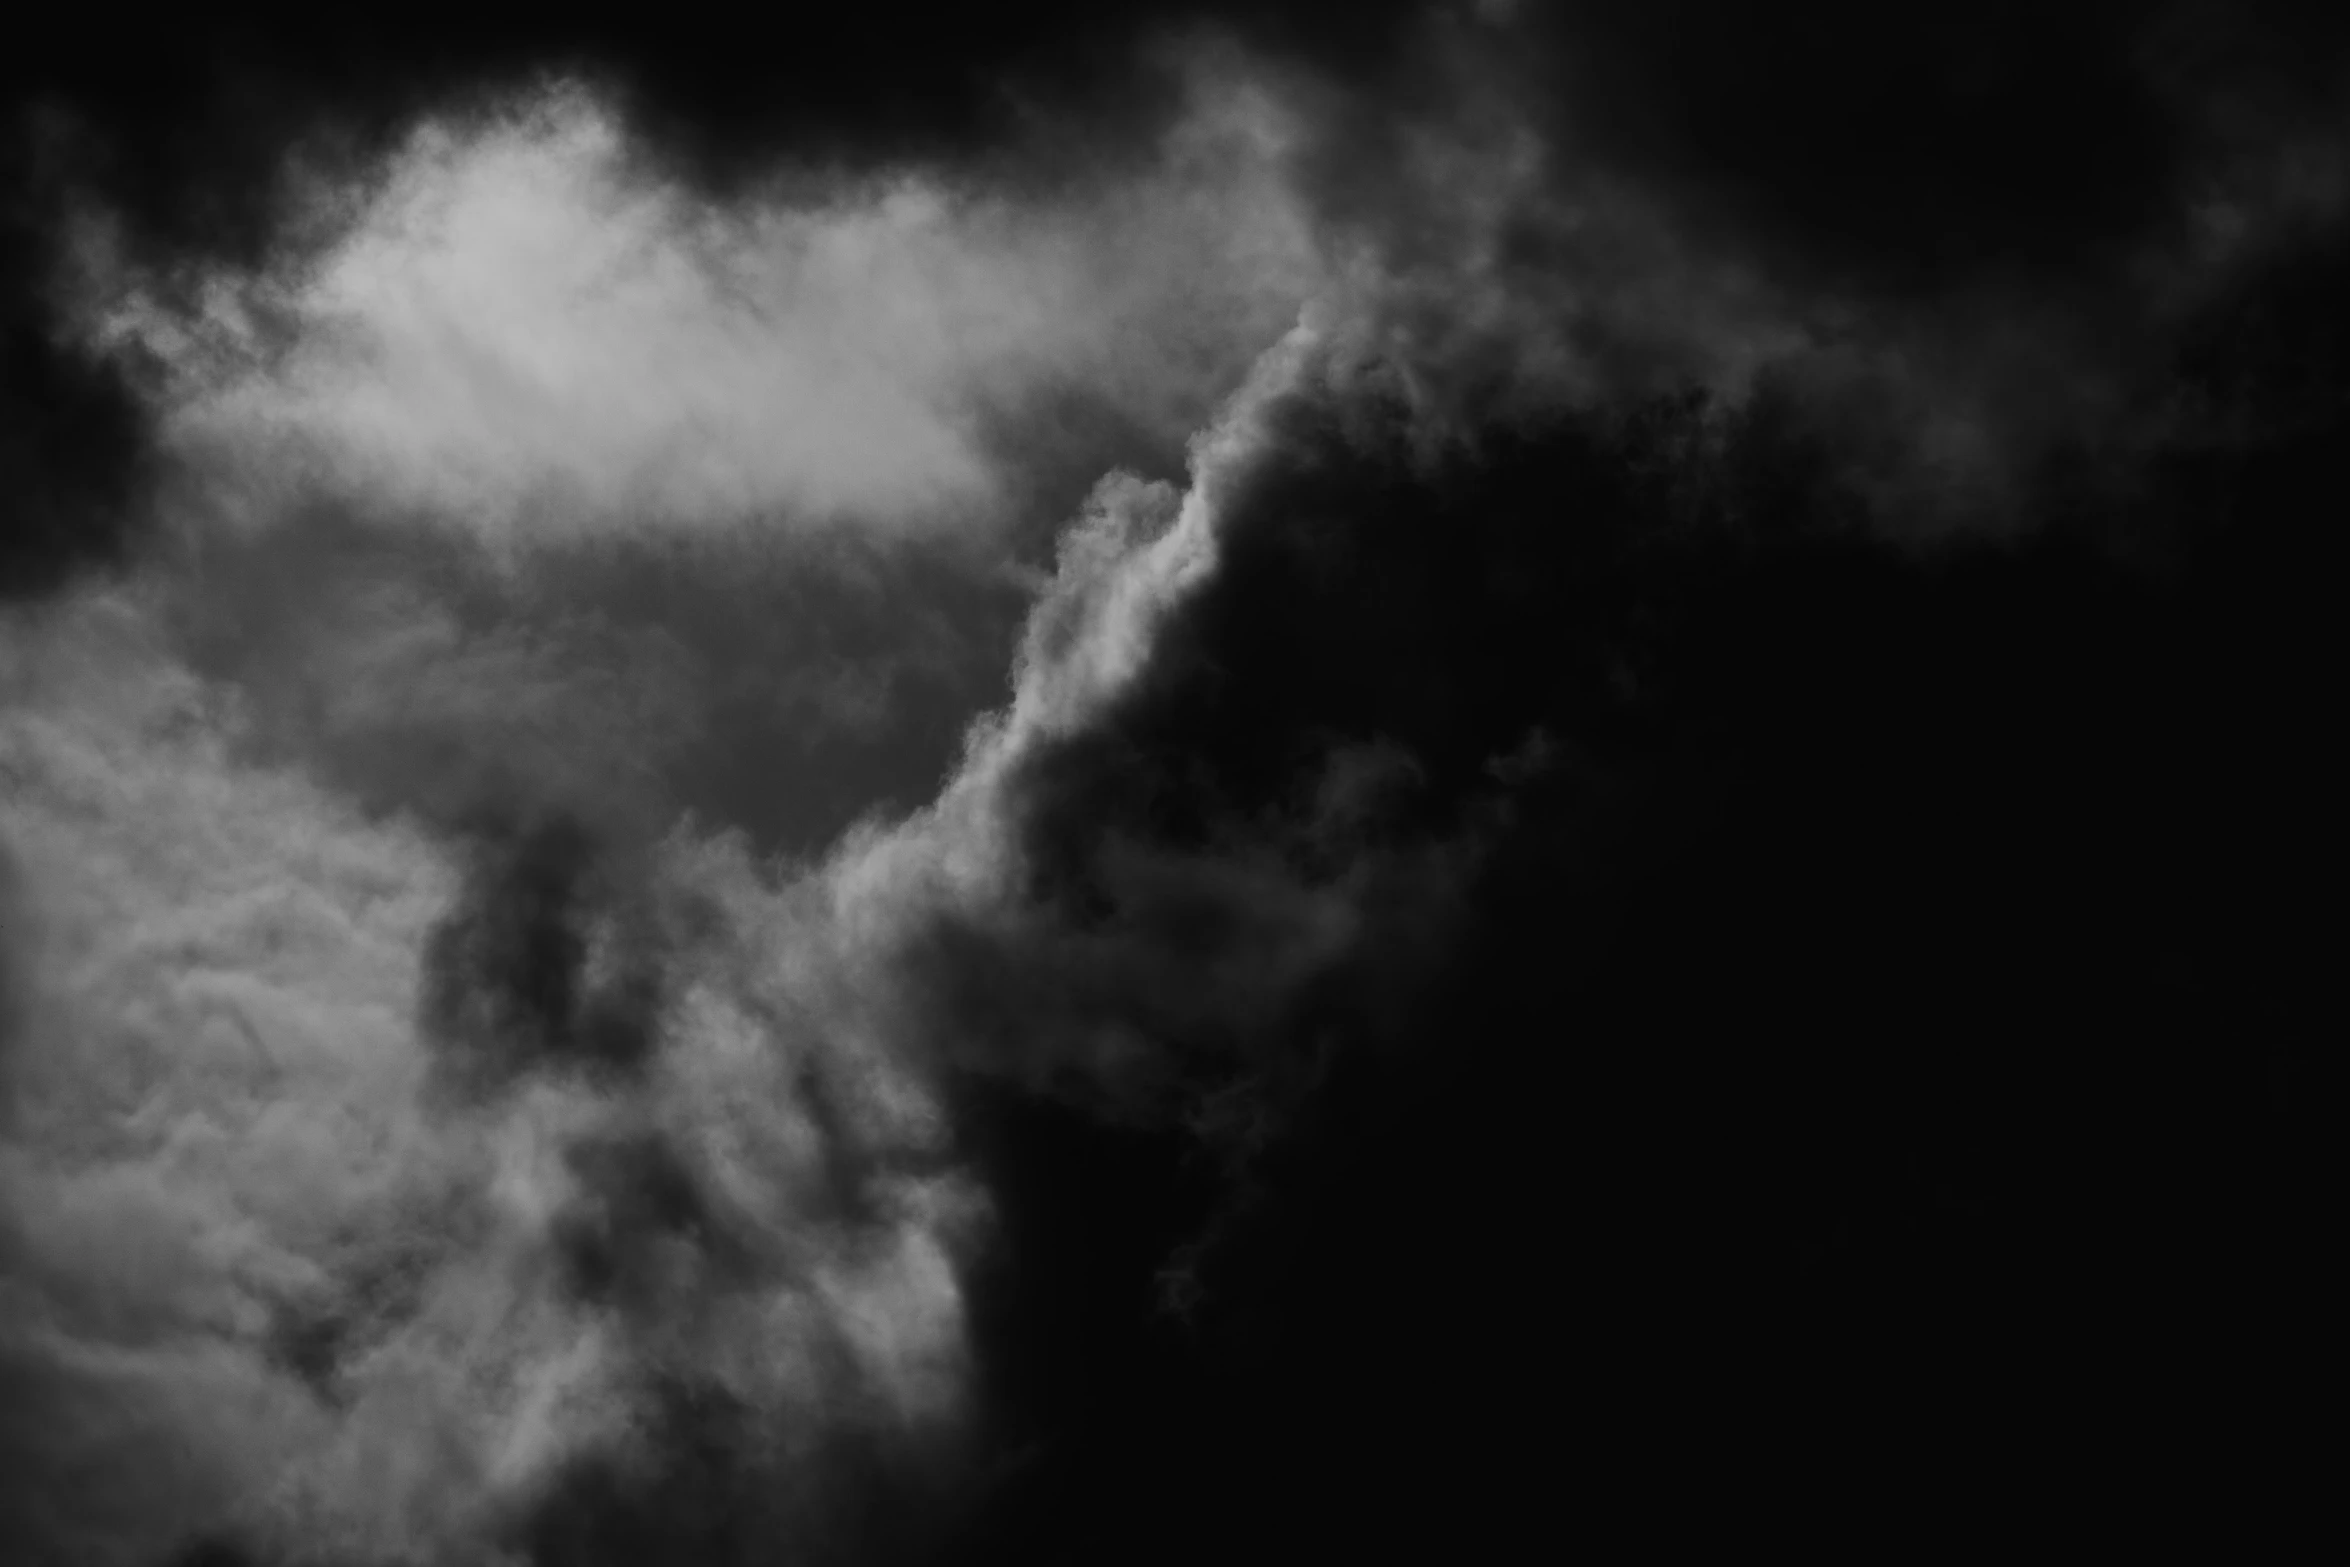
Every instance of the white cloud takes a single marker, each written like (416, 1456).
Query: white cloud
(528, 331)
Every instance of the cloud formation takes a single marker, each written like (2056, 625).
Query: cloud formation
(532, 331)
(1676, 827)
(318, 1233)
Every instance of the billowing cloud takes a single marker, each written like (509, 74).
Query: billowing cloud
(1659, 868)
(532, 332)
(320, 1232)
(491, 1156)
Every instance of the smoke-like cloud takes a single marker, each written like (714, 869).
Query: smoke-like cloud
(1666, 828)
(632, 1123)
(356, 1195)
(531, 331)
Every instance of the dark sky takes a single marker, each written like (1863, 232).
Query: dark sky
(1251, 782)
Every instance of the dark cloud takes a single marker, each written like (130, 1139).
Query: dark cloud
(623, 681)
(1916, 146)
(1905, 153)
(1871, 155)
(1669, 899)
(722, 1486)
(1849, 1053)
(70, 425)
(188, 126)
(823, 695)
(15, 949)
(212, 1553)
(510, 982)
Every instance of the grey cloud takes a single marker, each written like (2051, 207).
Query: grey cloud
(634, 1214)
(393, 1275)
(1138, 987)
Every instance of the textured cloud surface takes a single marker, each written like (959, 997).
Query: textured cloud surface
(1413, 796)
(532, 331)
(328, 1221)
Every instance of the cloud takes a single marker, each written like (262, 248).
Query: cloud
(531, 332)
(629, 682)
(1541, 902)
(1543, 883)
(519, 483)
(254, 1218)
(70, 423)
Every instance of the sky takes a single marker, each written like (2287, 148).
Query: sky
(1133, 785)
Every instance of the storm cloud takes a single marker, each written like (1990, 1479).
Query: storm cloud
(1550, 770)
